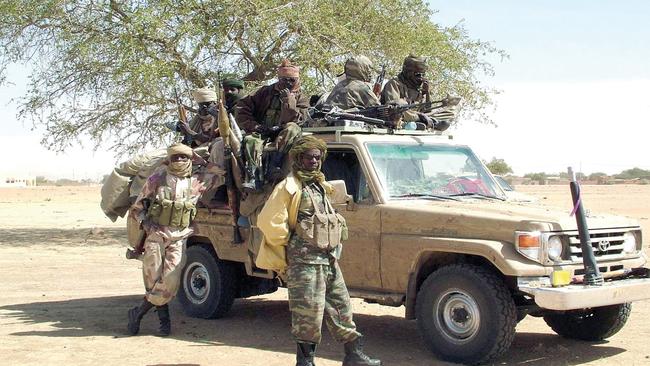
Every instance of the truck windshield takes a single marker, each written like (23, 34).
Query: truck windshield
(414, 170)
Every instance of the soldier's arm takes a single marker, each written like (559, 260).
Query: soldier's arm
(294, 109)
(244, 115)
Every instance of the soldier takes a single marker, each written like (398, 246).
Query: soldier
(202, 128)
(165, 209)
(232, 93)
(298, 216)
(355, 91)
(411, 86)
(274, 110)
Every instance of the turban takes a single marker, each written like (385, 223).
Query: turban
(415, 64)
(300, 146)
(232, 83)
(286, 69)
(204, 95)
(179, 149)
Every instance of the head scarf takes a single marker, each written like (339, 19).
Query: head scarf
(204, 95)
(232, 83)
(412, 64)
(302, 145)
(179, 168)
(359, 68)
(286, 69)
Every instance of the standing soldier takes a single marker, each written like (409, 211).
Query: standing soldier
(355, 91)
(411, 86)
(298, 216)
(275, 110)
(165, 209)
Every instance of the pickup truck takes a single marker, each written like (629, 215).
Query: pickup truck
(431, 230)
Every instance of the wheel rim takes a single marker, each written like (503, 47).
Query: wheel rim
(457, 315)
(196, 283)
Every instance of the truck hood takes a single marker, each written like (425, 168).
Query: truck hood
(484, 219)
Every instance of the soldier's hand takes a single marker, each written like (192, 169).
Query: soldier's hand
(287, 97)
(425, 87)
(430, 122)
(213, 110)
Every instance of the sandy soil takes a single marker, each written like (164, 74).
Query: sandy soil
(66, 288)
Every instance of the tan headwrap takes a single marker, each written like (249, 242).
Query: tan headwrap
(359, 67)
(179, 168)
(299, 147)
(204, 95)
(415, 64)
(286, 69)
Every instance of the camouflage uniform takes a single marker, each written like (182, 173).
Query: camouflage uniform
(355, 91)
(315, 283)
(164, 246)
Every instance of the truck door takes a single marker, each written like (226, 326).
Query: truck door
(360, 257)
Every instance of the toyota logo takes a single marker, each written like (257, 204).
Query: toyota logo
(603, 246)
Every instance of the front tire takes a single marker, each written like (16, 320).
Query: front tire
(593, 324)
(207, 284)
(466, 314)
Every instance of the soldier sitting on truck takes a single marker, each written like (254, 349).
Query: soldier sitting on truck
(165, 208)
(302, 235)
(411, 86)
(355, 91)
(272, 113)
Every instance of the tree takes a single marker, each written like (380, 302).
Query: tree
(540, 178)
(597, 175)
(633, 173)
(499, 166)
(109, 69)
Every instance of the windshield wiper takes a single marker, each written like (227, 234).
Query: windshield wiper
(425, 195)
(477, 195)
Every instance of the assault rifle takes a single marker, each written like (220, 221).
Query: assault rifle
(380, 81)
(391, 112)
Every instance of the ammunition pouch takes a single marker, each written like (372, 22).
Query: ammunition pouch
(324, 229)
(166, 212)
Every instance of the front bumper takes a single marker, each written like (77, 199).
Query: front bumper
(572, 297)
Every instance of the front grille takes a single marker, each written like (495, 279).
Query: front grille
(606, 245)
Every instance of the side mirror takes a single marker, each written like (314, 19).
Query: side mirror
(340, 195)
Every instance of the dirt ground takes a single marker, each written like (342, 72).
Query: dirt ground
(66, 287)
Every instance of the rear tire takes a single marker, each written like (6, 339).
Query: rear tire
(207, 284)
(594, 324)
(466, 314)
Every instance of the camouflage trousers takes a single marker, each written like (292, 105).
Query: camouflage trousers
(162, 264)
(317, 290)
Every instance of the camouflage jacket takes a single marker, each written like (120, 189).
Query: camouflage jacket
(265, 107)
(156, 183)
(352, 93)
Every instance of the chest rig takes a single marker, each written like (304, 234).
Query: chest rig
(167, 212)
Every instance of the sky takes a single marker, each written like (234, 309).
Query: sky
(574, 91)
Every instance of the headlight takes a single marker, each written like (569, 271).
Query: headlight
(629, 243)
(529, 244)
(555, 248)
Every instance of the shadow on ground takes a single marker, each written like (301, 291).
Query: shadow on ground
(264, 324)
(26, 237)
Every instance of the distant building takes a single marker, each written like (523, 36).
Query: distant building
(17, 182)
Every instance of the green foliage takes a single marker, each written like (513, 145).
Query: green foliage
(540, 178)
(596, 175)
(498, 166)
(634, 173)
(107, 69)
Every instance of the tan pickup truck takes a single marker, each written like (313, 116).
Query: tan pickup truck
(431, 230)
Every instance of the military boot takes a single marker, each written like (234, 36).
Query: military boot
(305, 354)
(136, 314)
(165, 321)
(354, 355)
